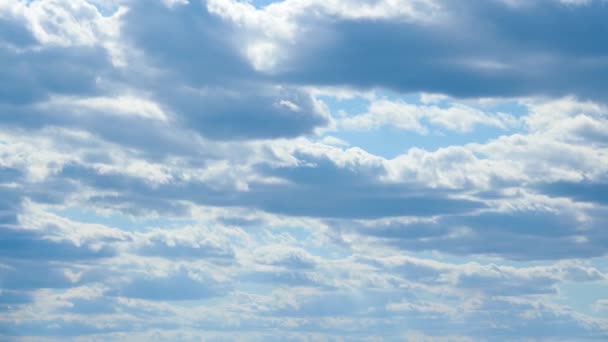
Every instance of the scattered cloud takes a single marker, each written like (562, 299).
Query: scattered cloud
(226, 170)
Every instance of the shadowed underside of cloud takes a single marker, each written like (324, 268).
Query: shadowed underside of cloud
(582, 191)
(14, 32)
(33, 75)
(477, 49)
(9, 299)
(220, 94)
(357, 198)
(43, 244)
(28, 244)
(40, 274)
(198, 78)
(189, 170)
(523, 235)
(358, 202)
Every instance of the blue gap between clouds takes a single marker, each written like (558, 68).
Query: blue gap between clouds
(117, 220)
(390, 142)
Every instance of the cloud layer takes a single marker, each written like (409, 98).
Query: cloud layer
(303, 170)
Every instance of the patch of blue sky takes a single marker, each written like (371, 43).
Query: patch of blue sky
(196, 303)
(582, 296)
(388, 141)
(118, 220)
(512, 107)
(262, 3)
(358, 104)
(349, 106)
(600, 263)
(255, 287)
(327, 252)
(107, 11)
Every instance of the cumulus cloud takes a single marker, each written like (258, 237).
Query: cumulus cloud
(459, 51)
(206, 169)
(220, 94)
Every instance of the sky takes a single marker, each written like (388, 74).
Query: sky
(303, 170)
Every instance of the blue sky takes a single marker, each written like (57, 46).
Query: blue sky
(303, 170)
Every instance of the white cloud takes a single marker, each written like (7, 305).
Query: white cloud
(121, 105)
(412, 117)
(278, 24)
(188, 190)
(601, 305)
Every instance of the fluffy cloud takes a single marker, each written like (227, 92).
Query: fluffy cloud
(406, 116)
(203, 170)
(483, 48)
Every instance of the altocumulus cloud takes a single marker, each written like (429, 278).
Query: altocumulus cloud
(303, 170)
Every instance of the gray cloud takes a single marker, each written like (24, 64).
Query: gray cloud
(292, 237)
(207, 82)
(523, 235)
(482, 48)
